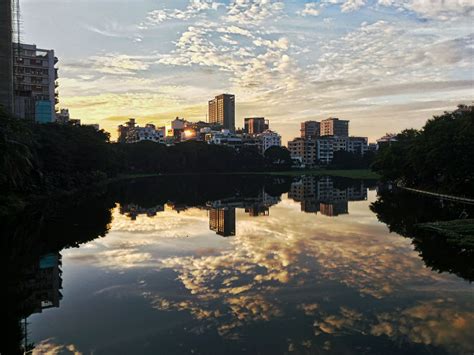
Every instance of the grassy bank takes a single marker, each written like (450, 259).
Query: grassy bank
(353, 174)
(459, 232)
(365, 174)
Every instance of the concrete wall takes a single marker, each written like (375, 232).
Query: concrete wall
(6, 57)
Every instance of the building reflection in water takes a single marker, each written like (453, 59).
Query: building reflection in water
(222, 221)
(297, 281)
(319, 194)
(43, 282)
(132, 210)
(316, 194)
(222, 213)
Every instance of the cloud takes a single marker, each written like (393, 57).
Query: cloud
(49, 347)
(310, 9)
(281, 62)
(253, 12)
(193, 9)
(434, 9)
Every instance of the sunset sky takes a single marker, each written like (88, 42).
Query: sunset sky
(383, 64)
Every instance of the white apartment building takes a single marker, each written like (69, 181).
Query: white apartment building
(147, 133)
(325, 150)
(312, 152)
(269, 139)
(223, 137)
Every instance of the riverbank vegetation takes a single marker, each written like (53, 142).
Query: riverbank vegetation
(439, 157)
(48, 159)
(442, 238)
(459, 232)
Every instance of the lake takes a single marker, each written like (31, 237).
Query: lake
(236, 264)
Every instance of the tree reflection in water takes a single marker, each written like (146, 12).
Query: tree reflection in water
(402, 211)
(32, 242)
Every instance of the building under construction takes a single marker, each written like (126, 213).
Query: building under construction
(6, 55)
(28, 76)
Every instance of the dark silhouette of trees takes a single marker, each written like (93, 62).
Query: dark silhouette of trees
(278, 158)
(349, 160)
(403, 212)
(440, 156)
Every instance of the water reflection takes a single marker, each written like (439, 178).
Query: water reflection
(162, 281)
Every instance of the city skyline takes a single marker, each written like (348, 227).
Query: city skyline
(383, 65)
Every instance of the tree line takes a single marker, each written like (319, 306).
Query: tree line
(438, 157)
(38, 159)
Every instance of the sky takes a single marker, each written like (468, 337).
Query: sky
(385, 65)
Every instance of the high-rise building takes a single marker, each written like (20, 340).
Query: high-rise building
(222, 111)
(310, 129)
(6, 57)
(255, 125)
(35, 91)
(335, 127)
(222, 221)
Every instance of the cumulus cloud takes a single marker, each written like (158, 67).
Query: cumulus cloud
(285, 67)
(253, 11)
(310, 9)
(193, 9)
(49, 347)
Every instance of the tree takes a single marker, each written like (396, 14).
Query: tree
(278, 158)
(439, 156)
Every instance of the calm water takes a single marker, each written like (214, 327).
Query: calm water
(257, 265)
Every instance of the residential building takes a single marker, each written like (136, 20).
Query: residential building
(222, 111)
(35, 85)
(133, 133)
(324, 150)
(124, 129)
(310, 129)
(268, 139)
(147, 133)
(358, 145)
(386, 140)
(63, 116)
(304, 150)
(176, 128)
(223, 137)
(255, 125)
(334, 127)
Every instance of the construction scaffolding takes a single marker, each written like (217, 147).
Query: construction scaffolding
(6, 54)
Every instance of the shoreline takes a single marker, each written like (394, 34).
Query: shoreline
(365, 174)
(17, 203)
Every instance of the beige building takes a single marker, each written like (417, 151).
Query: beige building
(305, 150)
(335, 127)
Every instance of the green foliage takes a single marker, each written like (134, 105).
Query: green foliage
(440, 156)
(42, 158)
(16, 157)
(348, 160)
(459, 232)
(278, 158)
